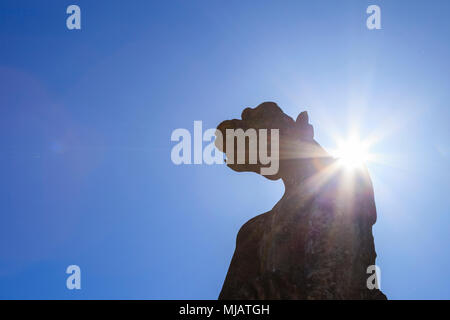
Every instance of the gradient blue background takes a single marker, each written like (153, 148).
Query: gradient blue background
(86, 118)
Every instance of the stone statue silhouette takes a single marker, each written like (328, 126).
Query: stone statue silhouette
(316, 242)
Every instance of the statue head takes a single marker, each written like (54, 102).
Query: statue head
(267, 141)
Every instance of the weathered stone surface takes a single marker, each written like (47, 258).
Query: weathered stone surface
(316, 242)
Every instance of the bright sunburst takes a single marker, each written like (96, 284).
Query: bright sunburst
(352, 153)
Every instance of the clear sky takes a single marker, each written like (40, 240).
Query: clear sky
(87, 115)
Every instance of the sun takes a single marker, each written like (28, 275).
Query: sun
(352, 153)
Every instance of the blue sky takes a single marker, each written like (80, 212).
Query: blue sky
(86, 119)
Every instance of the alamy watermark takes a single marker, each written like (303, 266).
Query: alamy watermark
(374, 20)
(74, 280)
(257, 149)
(374, 280)
(74, 20)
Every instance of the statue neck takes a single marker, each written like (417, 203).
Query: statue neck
(296, 174)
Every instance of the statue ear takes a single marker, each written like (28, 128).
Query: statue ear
(302, 119)
(302, 124)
